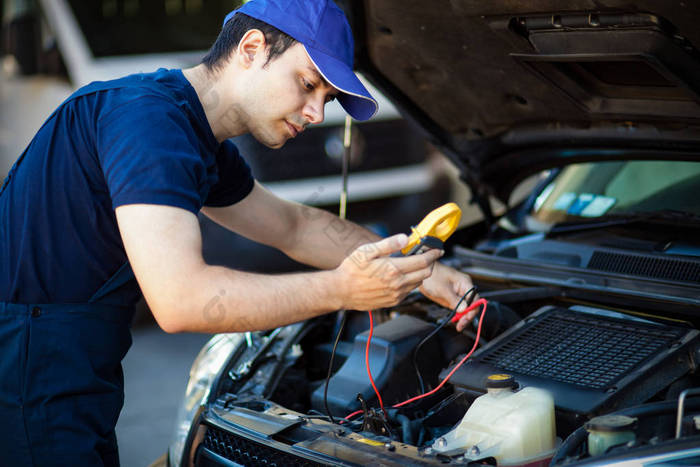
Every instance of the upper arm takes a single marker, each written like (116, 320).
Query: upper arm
(149, 153)
(163, 244)
(261, 216)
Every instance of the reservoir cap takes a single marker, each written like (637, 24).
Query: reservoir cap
(611, 423)
(500, 381)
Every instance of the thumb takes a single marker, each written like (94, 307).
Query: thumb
(384, 247)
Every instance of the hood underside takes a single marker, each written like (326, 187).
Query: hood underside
(508, 88)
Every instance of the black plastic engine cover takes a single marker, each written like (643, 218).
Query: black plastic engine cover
(591, 361)
(390, 357)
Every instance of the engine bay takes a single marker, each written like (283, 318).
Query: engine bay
(623, 369)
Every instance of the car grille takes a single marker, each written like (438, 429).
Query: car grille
(250, 453)
(645, 266)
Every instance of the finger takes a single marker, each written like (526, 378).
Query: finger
(462, 283)
(416, 278)
(400, 282)
(466, 319)
(461, 286)
(383, 247)
(412, 263)
(462, 305)
(462, 323)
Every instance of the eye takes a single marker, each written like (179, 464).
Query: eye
(307, 85)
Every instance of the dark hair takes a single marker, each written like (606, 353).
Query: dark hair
(232, 33)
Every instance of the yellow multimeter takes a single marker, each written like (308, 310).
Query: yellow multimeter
(434, 229)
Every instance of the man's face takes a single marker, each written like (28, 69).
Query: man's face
(284, 96)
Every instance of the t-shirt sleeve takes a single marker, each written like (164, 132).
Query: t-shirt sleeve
(150, 154)
(235, 178)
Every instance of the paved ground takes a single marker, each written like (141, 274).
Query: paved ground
(156, 370)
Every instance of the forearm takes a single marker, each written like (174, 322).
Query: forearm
(323, 240)
(309, 235)
(218, 299)
(185, 294)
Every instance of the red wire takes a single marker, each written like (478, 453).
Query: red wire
(477, 303)
(481, 301)
(462, 313)
(348, 417)
(369, 372)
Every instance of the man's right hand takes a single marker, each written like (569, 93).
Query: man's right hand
(369, 278)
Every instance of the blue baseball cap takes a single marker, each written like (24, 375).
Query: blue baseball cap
(321, 27)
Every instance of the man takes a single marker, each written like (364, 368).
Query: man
(112, 183)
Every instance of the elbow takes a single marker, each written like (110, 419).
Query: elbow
(168, 323)
(170, 318)
(186, 305)
(171, 327)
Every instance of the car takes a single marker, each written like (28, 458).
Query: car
(586, 347)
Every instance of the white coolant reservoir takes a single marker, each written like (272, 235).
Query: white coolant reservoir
(514, 427)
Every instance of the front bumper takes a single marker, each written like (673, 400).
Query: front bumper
(228, 434)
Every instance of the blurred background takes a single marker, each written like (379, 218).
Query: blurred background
(49, 48)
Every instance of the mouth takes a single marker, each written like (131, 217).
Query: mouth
(293, 130)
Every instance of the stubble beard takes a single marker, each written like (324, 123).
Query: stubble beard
(267, 135)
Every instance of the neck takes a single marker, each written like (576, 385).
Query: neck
(223, 118)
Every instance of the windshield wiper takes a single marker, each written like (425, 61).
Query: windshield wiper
(632, 217)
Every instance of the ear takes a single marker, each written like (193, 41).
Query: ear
(251, 47)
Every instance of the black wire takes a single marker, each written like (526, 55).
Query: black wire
(449, 317)
(330, 365)
(442, 404)
(313, 413)
(432, 411)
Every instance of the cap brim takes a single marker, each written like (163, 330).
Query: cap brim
(353, 97)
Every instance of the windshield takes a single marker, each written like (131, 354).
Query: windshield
(586, 191)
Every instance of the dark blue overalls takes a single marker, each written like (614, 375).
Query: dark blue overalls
(61, 385)
(61, 381)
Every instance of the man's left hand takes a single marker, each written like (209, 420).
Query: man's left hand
(445, 287)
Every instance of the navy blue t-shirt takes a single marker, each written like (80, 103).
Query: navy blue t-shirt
(141, 139)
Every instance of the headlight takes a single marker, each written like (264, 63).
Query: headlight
(206, 366)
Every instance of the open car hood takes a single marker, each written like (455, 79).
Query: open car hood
(507, 88)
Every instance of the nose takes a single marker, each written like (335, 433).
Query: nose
(314, 110)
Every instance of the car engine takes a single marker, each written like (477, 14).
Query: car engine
(613, 377)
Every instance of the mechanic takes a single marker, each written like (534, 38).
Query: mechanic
(102, 206)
